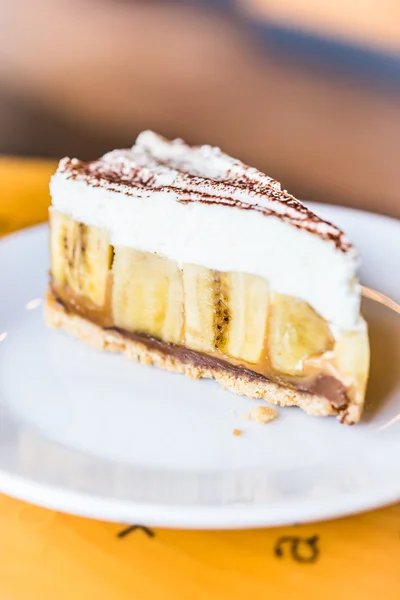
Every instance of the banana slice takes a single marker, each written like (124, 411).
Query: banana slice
(60, 235)
(93, 262)
(248, 306)
(221, 310)
(296, 332)
(351, 357)
(148, 295)
(80, 257)
(200, 308)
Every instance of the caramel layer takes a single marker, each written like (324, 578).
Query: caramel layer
(317, 383)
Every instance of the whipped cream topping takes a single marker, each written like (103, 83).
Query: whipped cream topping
(199, 205)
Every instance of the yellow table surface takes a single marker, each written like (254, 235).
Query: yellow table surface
(48, 555)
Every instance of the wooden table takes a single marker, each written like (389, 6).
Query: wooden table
(46, 555)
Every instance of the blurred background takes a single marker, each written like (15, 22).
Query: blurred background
(308, 91)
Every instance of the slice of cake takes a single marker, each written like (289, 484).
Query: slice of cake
(188, 259)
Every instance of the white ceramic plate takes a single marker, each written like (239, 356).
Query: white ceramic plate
(95, 435)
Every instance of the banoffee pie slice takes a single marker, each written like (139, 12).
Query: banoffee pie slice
(188, 259)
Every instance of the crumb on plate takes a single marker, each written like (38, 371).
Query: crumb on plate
(263, 414)
(245, 416)
(237, 432)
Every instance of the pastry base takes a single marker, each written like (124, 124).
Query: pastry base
(58, 317)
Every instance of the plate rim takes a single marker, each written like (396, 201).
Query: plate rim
(229, 516)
